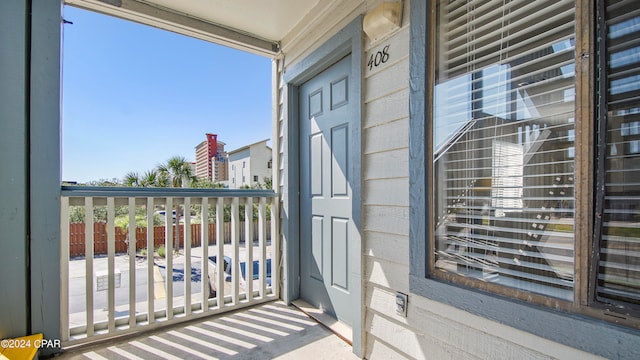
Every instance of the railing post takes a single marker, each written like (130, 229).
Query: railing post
(204, 229)
(132, 262)
(235, 266)
(275, 246)
(64, 268)
(248, 243)
(262, 246)
(168, 254)
(150, 264)
(111, 253)
(187, 258)
(88, 255)
(220, 253)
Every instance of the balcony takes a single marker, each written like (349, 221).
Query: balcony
(118, 278)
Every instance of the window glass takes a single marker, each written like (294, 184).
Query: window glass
(619, 207)
(503, 135)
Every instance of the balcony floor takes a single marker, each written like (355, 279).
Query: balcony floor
(268, 331)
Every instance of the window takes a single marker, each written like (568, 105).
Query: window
(510, 178)
(618, 227)
(502, 134)
(269, 164)
(255, 178)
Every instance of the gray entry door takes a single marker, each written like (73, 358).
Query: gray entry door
(326, 220)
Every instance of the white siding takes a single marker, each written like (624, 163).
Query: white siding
(386, 206)
(239, 164)
(260, 157)
(432, 330)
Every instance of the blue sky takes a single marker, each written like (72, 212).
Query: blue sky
(134, 96)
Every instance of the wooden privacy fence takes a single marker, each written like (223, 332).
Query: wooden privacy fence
(77, 237)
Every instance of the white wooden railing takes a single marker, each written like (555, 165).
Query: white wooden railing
(105, 296)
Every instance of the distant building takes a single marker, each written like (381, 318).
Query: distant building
(220, 164)
(250, 165)
(211, 160)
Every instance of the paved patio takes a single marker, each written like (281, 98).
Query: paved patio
(268, 331)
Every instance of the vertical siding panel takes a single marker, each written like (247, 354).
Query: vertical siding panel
(278, 163)
(385, 202)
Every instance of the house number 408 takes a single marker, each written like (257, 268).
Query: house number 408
(379, 58)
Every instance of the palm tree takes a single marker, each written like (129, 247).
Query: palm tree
(154, 178)
(178, 171)
(151, 178)
(132, 178)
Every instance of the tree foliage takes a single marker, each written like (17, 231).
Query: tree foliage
(206, 184)
(150, 178)
(177, 170)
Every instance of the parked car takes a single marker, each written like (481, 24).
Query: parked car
(163, 213)
(256, 269)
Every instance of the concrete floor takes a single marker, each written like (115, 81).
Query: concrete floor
(267, 331)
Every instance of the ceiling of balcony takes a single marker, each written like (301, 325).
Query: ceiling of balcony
(270, 19)
(267, 20)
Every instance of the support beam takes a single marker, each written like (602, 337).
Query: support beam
(44, 167)
(13, 162)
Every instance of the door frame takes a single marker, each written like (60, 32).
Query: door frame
(346, 41)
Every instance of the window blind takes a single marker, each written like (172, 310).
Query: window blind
(504, 143)
(619, 247)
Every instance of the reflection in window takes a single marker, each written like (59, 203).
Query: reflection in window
(453, 99)
(618, 279)
(624, 27)
(625, 85)
(496, 97)
(504, 143)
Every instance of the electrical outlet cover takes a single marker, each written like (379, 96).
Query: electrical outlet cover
(401, 304)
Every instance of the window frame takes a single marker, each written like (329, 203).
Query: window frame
(555, 319)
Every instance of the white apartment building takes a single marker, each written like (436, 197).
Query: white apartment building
(250, 165)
